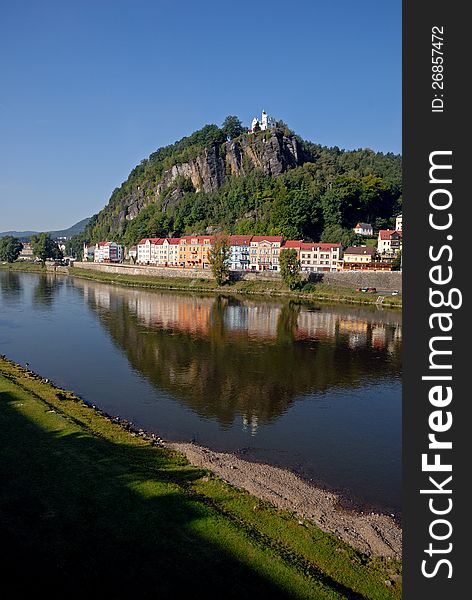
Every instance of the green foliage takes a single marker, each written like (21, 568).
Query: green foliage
(218, 258)
(335, 234)
(45, 247)
(290, 269)
(10, 248)
(309, 287)
(232, 127)
(397, 262)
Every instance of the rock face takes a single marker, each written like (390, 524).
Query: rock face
(270, 152)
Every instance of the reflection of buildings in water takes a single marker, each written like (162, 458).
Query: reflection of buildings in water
(196, 315)
(316, 324)
(262, 320)
(99, 296)
(236, 317)
(224, 372)
(179, 314)
(250, 424)
(397, 335)
(351, 325)
(379, 336)
(355, 330)
(355, 340)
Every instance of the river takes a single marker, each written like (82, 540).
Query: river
(313, 388)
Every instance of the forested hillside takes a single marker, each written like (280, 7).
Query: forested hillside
(267, 182)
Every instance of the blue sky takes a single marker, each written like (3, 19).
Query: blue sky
(91, 87)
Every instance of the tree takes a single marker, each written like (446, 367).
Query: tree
(290, 268)
(335, 234)
(397, 262)
(232, 127)
(10, 248)
(218, 257)
(45, 247)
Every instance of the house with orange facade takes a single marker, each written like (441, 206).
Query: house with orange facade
(194, 250)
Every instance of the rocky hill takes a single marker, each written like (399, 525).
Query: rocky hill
(268, 182)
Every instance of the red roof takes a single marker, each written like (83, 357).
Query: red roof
(267, 238)
(151, 240)
(363, 226)
(360, 250)
(293, 244)
(240, 240)
(386, 234)
(318, 246)
(200, 238)
(173, 240)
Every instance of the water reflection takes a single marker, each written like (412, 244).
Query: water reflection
(45, 290)
(225, 357)
(11, 288)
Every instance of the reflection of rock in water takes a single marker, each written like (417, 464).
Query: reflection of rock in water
(227, 357)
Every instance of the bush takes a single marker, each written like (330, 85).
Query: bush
(309, 287)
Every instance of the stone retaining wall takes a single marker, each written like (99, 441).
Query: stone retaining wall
(125, 269)
(382, 280)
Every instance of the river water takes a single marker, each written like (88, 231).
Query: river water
(313, 388)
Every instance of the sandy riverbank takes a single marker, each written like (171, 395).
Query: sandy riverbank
(373, 534)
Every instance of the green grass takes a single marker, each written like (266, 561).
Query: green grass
(86, 505)
(24, 265)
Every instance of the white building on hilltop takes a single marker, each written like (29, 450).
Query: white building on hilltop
(264, 123)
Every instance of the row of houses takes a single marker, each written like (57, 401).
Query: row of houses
(104, 252)
(251, 253)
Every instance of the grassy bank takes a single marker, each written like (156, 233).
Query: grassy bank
(87, 504)
(319, 291)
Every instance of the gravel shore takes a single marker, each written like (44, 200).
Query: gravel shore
(373, 534)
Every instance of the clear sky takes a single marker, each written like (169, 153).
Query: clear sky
(91, 87)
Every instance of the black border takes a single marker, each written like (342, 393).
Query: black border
(423, 133)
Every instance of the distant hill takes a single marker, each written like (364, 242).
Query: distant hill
(268, 182)
(67, 233)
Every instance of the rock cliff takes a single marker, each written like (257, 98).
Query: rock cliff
(271, 152)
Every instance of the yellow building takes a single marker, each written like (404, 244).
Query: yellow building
(193, 251)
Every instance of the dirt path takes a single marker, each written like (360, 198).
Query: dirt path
(373, 534)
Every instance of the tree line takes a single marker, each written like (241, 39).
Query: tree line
(42, 245)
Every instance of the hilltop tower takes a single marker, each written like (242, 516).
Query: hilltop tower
(265, 122)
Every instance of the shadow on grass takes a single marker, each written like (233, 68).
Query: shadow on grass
(82, 515)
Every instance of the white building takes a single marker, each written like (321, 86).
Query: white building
(399, 223)
(265, 122)
(316, 256)
(239, 252)
(158, 251)
(148, 251)
(108, 252)
(89, 252)
(364, 229)
(389, 242)
(264, 252)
